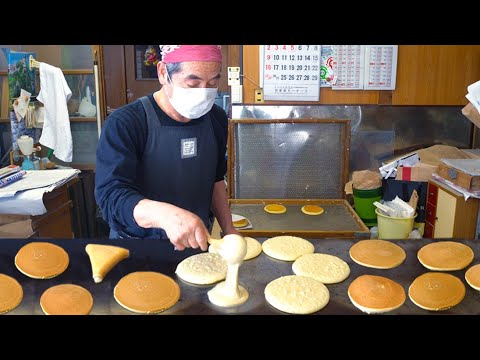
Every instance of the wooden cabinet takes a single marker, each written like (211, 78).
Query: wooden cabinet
(448, 214)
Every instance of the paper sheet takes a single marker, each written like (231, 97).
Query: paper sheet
(39, 178)
(29, 202)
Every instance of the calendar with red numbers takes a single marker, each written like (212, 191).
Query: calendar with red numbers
(290, 72)
(381, 67)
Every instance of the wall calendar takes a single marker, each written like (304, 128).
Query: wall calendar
(290, 72)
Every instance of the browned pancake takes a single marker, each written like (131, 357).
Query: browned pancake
(377, 254)
(146, 292)
(11, 293)
(66, 299)
(240, 223)
(436, 291)
(376, 294)
(275, 208)
(472, 276)
(445, 256)
(312, 210)
(41, 260)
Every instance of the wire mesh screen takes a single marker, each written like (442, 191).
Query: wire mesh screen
(294, 159)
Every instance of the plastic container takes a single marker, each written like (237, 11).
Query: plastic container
(363, 200)
(390, 227)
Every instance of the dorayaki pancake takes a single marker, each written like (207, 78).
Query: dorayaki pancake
(472, 276)
(202, 269)
(376, 294)
(295, 294)
(103, 258)
(436, 291)
(146, 292)
(41, 260)
(312, 210)
(445, 256)
(275, 208)
(66, 299)
(377, 254)
(11, 293)
(325, 268)
(254, 248)
(240, 223)
(287, 248)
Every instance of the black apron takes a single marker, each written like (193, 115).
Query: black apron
(178, 167)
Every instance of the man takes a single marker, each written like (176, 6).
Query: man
(161, 159)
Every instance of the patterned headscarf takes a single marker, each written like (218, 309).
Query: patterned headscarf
(180, 53)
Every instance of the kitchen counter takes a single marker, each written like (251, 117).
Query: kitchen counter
(254, 275)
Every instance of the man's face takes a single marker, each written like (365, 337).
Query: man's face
(197, 74)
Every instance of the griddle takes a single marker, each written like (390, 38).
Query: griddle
(255, 274)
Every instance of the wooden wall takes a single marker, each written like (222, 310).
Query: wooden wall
(426, 75)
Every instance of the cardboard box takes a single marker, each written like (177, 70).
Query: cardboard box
(459, 177)
(419, 172)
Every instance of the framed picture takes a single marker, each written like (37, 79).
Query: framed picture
(146, 59)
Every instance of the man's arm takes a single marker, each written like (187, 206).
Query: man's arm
(221, 209)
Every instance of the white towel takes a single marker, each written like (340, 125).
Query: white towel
(54, 94)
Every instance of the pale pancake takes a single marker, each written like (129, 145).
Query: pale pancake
(295, 294)
(275, 208)
(41, 260)
(377, 254)
(312, 210)
(325, 268)
(103, 258)
(240, 223)
(436, 291)
(202, 269)
(376, 294)
(146, 292)
(287, 248)
(472, 276)
(445, 256)
(254, 248)
(66, 299)
(11, 293)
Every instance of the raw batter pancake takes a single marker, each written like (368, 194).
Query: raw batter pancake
(202, 269)
(254, 248)
(66, 299)
(445, 256)
(275, 208)
(377, 254)
(376, 294)
(472, 276)
(312, 210)
(41, 260)
(11, 293)
(103, 258)
(325, 268)
(436, 291)
(146, 292)
(287, 248)
(295, 294)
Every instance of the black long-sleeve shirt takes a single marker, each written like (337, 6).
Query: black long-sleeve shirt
(119, 150)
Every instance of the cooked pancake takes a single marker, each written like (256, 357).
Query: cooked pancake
(66, 299)
(312, 210)
(287, 248)
(146, 292)
(325, 268)
(240, 223)
(202, 269)
(376, 294)
(445, 256)
(295, 294)
(472, 276)
(41, 260)
(275, 208)
(436, 291)
(103, 258)
(11, 293)
(254, 248)
(377, 254)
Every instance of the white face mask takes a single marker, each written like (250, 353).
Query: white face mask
(192, 103)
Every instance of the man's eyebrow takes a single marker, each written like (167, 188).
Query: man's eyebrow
(195, 77)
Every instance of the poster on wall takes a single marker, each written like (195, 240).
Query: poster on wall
(327, 76)
(380, 67)
(21, 81)
(348, 66)
(290, 72)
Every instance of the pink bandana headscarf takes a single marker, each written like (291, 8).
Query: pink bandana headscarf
(180, 53)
